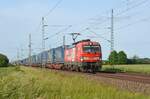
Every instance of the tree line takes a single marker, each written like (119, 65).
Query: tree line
(120, 58)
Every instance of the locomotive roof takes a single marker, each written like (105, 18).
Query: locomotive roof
(87, 40)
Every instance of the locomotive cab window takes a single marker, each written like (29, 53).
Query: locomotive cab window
(91, 49)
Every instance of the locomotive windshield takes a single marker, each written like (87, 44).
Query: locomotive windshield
(91, 49)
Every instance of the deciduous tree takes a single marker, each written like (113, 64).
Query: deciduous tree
(3, 60)
(122, 57)
(113, 58)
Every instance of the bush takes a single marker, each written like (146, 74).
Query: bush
(118, 58)
(3, 60)
(122, 58)
(113, 58)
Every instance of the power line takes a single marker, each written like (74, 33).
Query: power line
(112, 21)
(132, 7)
(130, 24)
(99, 36)
(50, 11)
(53, 8)
(112, 32)
(61, 31)
(107, 11)
(124, 11)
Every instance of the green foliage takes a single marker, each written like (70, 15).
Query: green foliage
(105, 62)
(113, 58)
(117, 58)
(111, 70)
(122, 58)
(3, 60)
(46, 84)
(142, 69)
(136, 60)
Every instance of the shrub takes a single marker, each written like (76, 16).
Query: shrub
(3, 60)
(113, 58)
(122, 57)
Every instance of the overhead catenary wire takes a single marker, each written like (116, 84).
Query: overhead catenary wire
(132, 7)
(122, 12)
(133, 23)
(61, 31)
(49, 12)
(53, 8)
(118, 14)
(96, 34)
(107, 12)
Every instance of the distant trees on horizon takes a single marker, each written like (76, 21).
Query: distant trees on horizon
(120, 58)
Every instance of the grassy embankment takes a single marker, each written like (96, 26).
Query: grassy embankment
(143, 69)
(30, 83)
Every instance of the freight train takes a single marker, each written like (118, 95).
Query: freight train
(85, 55)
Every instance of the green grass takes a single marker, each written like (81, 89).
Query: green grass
(144, 69)
(31, 83)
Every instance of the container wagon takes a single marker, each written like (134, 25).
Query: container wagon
(83, 56)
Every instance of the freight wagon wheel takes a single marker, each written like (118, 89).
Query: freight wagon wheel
(82, 69)
(93, 70)
(67, 67)
(72, 68)
(62, 68)
(77, 69)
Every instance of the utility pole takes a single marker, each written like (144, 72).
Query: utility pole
(21, 53)
(43, 40)
(112, 31)
(30, 50)
(43, 34)
(64, 41)
(18, 56)
(49, 54)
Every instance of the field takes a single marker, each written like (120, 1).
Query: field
(143, 69)
(31, 83)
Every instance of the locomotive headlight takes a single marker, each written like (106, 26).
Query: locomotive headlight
(81, 58)
(96, 58)
(90, 58)
(86, 58)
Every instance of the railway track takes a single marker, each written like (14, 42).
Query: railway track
(140, 78)
(126, 76)
(134, 77)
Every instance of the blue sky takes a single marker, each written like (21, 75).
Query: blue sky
(18, 18)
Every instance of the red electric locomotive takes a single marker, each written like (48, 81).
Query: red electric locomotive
(83, 56)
